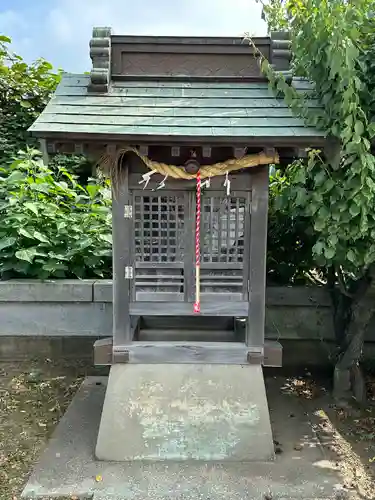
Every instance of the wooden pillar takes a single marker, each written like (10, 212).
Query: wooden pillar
(43, 149)
(121, 258)
(257, 267)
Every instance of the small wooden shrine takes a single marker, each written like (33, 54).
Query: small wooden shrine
(187, 128)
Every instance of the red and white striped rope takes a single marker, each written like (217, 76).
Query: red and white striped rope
(197, 304)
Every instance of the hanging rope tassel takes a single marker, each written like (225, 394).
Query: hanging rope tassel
(197, 304)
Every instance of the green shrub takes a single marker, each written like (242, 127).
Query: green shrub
(289, 249)
(51, 226)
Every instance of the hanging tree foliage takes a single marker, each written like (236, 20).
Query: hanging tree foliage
(333, 46)
(24, 92)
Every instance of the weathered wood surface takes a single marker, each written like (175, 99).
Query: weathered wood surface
(175, 91)
(222, 43)
(201, 132)
(167, 112)
(185, 309)
(190, 352)
(121, 235)
(238, 181)
(82, 80)
(257, 260)
(185, 352)
(165, 121)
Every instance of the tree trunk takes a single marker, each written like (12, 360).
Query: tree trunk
(348, 379)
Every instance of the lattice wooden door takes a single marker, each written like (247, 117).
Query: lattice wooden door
(160, 244)
(224, 255)
(163, 248)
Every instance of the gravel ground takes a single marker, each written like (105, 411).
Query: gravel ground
(34, 396)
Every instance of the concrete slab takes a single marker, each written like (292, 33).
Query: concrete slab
(68, 467)
(182, 412)
(55, 319)
(46, 291)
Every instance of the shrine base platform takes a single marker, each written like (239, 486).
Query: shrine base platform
(185, 412)
(68, 467)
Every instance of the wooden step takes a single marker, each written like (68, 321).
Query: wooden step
(181, 334)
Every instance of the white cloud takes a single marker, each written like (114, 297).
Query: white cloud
(63, 35)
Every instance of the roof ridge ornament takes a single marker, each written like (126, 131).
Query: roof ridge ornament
(281, 52)
(100, 54)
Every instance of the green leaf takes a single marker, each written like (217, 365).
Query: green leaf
(351, 256)
(26, 254)
(332, 240)
(359, 128)
(371, 130)
(41, 188)
(39, 236)
(32, 207)
(55, 266)
(318, 248)
(93, 190)
(7, 242)
(56, 256)
(354, 209)
(106, 237)
(264, 66)
(300, 176)
(25, 233)
(320, 224)
(301, 196)
(329, 253)
(25, 104)
(15, 176)
(5, 39)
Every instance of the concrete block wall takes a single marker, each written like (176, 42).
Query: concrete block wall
(71, 314)
(54, 308)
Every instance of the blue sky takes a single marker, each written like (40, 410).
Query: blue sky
(59, 30)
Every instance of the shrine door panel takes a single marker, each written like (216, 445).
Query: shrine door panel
(161, 245)
(225, 236)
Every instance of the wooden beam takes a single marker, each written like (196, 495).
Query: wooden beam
(229, 309)
(224, 353)
(258, 252)
(206, 151)
(51, 147)
(317, 140)
(111, 149)
(270, 151)
(43, 149)
(238, 182)
(121, 258)
(300, 153)
(143, 150)
(239, 152)
(103, 348)
(103, 352)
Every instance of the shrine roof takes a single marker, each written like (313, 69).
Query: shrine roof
(141, 108)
